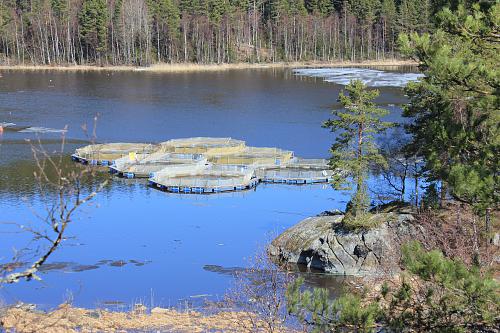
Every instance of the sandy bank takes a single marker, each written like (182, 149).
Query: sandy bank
(70, 319)
(183, 68)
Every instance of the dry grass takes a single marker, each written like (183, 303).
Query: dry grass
(191, 67)
(69, 319)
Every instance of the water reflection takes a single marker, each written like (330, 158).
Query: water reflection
(134, 240)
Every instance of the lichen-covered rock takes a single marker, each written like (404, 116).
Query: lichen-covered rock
(322, 243)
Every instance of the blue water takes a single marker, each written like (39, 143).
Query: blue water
(169, 238)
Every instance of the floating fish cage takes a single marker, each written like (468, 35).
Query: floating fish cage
(312, 163)
(203, 145)
(204, 179)
(297, 171)
(294, 175)
(205, 165)
(145, 165)
(254, 156)
(106, 153)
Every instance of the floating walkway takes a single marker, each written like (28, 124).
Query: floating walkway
(205, 165)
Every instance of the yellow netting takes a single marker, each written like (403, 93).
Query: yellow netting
(143, 165)
(257, 156)
(204, 176)
(202, 145)
(113, 151)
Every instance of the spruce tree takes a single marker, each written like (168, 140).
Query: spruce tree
(93, 19)
(388, 16)
(354, 148)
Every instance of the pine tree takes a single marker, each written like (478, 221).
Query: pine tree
(456, 107)
(436, 294)
(354, 148)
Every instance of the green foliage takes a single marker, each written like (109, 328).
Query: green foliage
(415, 16)
(5, 17)
(167, 17)
(388, 13)
(456, 107)
(59, 7)
(362, 221)
(449, 297)
(364, 9)
(430, 199)
(354, 148)
(93, 21)
(322, 7)
(437, 295)
(323, 314)
(79, 31)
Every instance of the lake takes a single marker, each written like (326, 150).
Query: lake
(134, 243)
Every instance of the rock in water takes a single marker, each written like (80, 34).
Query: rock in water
(323, 243)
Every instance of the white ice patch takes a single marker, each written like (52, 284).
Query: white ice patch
(42, 130)
(5, 125)
(371, 77)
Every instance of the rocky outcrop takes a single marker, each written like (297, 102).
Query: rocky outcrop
(323, 243)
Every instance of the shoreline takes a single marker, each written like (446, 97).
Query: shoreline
(193, 67)
(67, 318)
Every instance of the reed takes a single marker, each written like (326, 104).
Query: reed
(192, 67)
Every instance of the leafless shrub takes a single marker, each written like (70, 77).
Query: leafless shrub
(458, 233)
(62, 191)
(259, 292)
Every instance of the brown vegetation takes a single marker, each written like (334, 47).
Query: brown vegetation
(70, 319)
(191, 67)
(459, 234)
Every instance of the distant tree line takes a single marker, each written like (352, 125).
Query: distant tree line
(141, 32)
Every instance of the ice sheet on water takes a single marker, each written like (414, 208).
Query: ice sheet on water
(42, 130)
(371, 77)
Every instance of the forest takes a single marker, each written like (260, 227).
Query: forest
(144, 32)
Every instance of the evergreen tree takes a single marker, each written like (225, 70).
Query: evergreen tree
(321, 7)
(217, 9)
(456, 107)
(408, 16)
(93, 19)
(78, 31)
(388, 16)
(59, 7)
(354, 148)
(436, 294)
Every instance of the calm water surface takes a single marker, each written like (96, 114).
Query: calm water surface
(135, 243)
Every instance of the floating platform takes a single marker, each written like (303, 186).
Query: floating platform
(145, 165)
(204, 145)
(107, 153)
(254, 156)
(294, 175)
(297, 171)
(205, 165)
(204, 179)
